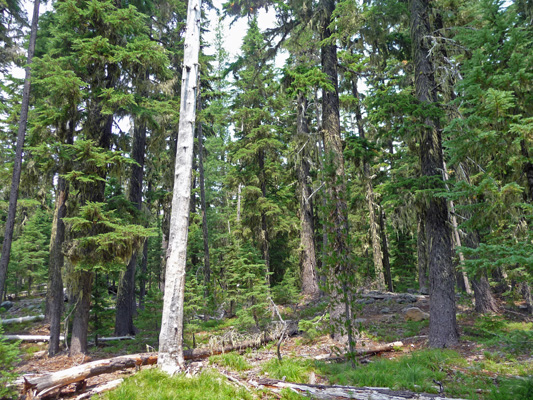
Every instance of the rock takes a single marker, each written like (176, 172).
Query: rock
(369, 300)
(359, 320)
(415, 314)
(406, 298)
(7, 305)
(385, 310)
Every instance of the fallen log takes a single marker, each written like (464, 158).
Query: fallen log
(22, 319)
(30, 338)
(338, 392)
(363, 351)
(38, 385)
(100, 389)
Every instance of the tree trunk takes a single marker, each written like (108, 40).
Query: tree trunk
(17, 165)
(442, 325)
(422, 251)
(205, 233)
(126, 286)
(81, 299)
(54, 294)
(171, 336)
(307, 242)
(385, 247)
(337, 254)
(264, 240)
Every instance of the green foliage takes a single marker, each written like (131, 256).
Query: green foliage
(9, 357)
(247, 286)
(153, 384)
(104, 240)
(29, 252)
(291, 369)
(231, 360)
(315, 327)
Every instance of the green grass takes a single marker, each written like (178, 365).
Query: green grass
(152, 384)
(293, 369)
(417, 371)
(495, 331)
(395, 330)
(232, 360)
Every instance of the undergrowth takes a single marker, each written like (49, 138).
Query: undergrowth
(232, 360)
(153, 384)
(290, 369)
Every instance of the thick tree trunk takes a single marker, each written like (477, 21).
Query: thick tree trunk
(422, 251)
(443, 325)
(17, 165)
(81, 299)
(205, 233)
(126, 286)
(307, 241)
(171, 336)
(337, 210)
(485, 301)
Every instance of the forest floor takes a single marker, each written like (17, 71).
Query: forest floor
(493, 359)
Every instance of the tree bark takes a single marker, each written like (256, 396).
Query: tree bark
(307, 241)
(171, 336)
(126, 286)
(54, 294)
(17, 165)
(340, 270)
(422, 252)
(443, 330)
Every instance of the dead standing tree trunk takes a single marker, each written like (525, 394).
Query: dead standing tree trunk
(171, 339)
(17, 166)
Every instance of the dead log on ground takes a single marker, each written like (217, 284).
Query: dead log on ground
(29, 338)
(337, 392)
(100, 389)
(44, 384)
(363, 351)
(22, 319)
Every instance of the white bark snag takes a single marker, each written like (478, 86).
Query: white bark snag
(170, 339)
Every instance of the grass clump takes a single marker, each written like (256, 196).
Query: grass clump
(397, 330)
(153, 384)
(414, 372)
(495, 331)
(294, 370)
(232, 360)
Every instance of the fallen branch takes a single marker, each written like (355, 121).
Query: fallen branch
(365, 351)
(100, 389)
(22, 319)
(29, 338)
(337, 392)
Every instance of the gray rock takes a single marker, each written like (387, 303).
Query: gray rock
(406, 298)
(415, 314)
(359, 320)
(7, 305)
(385, 310)
(369, 300)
